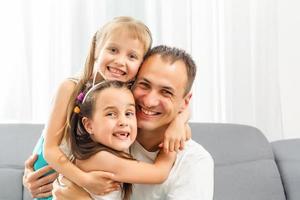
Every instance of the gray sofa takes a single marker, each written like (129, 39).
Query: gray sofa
(247, 166)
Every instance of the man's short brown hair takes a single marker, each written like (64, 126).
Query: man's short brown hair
(173, 54)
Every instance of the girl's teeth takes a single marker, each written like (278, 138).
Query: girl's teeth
(116, 71)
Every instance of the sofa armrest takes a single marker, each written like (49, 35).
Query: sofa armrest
(287, 157)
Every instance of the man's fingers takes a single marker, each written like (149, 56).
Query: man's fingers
(46, 188)
(30, 161)
(39, 173)
(44, 195)
(46, 179)
(35, 186)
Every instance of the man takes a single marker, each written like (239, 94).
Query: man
(161, 91)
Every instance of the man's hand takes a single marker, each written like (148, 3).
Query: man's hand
(37, 185)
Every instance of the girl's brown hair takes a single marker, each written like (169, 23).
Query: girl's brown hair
(82, 145)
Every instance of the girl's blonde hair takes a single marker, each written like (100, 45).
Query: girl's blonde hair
(134, 27)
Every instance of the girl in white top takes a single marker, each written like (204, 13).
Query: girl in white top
(103, 126)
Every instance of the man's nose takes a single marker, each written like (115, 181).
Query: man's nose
(151, 99)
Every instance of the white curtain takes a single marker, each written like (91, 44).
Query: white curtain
(235, 45)
(233, 42)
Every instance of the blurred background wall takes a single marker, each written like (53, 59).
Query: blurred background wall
(247, 53)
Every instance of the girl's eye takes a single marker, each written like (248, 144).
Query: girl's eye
(111, 114)
(130, 113)
(133, 56)
(113, 49)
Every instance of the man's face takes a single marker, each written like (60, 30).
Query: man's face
(159, 92)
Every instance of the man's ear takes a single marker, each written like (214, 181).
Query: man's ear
(87, 123)
(186, 101)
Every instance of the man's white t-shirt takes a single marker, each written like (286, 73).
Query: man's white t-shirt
(191, 177)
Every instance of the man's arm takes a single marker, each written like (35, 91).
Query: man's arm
(40, 186)
(195, 180)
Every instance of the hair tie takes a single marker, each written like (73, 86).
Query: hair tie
(76, 109)
(80, 97)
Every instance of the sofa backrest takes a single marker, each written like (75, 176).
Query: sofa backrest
(16, 144)
(287, 156)
(244, 163)
(245, 168)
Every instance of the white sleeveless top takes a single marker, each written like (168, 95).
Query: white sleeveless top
(115, 195)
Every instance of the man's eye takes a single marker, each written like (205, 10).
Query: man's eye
(167, 93)
(143, 85)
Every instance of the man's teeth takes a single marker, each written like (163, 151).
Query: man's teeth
(148, 112)
(116, 71)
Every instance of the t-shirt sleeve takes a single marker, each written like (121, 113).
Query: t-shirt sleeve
(194, 180)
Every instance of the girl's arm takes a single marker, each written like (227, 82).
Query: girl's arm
(131, 171)
(177, 132)
(54, 134)
(53, 137)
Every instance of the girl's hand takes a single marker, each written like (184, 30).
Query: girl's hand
(64, 189)
(177, 133)
(100, 182)
(175, 137)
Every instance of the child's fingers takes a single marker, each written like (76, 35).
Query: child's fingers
(171, 145)
(177, 145)
(166, 145)
(161, 145)
(111, 189)
(107, 175)
(182, 143)
(188, 132)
